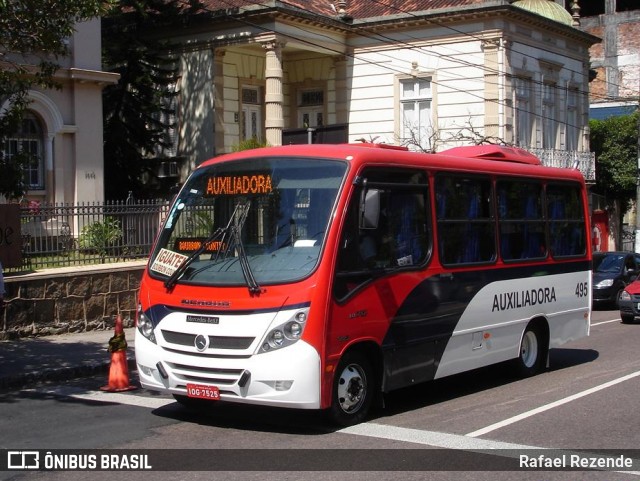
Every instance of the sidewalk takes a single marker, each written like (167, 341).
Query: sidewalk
(28, 361)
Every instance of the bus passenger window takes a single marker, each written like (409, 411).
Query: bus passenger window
(520, 214)
(466, 229)
(566, 220)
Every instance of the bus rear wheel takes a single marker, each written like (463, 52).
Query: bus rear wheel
(353, 389)
(531, 359)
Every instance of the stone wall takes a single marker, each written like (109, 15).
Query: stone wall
(57, 301)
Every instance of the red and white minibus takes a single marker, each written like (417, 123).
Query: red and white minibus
(319, 276)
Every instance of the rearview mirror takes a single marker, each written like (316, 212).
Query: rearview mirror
(370, 209)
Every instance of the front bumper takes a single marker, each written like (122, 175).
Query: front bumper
(605, 295)
(630, 307)
(287, 377)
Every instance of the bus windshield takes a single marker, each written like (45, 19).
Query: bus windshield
(250, 222)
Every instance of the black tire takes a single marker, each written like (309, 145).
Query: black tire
(353, 390)
(626, 318)
(533, 352)
(616, 302)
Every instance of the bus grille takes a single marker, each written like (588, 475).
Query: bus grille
(203, 375)
(215, 342)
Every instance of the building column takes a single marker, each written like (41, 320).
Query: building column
(273, 96)
(50, 180)
(342, 91)
(492, 86)
(218, 102)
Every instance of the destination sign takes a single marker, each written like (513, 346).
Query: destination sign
(239, 184)
(190, 244)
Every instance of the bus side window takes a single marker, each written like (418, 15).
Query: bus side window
(401, 238)
(566, 220)
(520, 215)
(466, 227)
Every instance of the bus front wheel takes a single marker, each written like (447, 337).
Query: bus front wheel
(532, 352)
(353, 389)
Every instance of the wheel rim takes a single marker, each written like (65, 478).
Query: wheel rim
(529, 349)
(352, 388)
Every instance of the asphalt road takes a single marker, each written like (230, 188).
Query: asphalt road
(470, 426)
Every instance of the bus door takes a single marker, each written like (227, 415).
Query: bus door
(385, 243)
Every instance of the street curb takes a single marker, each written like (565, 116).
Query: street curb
(28, 379)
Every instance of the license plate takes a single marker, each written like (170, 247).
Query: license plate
(202, 391)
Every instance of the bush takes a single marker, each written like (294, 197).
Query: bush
(99, 237)
(247, 144)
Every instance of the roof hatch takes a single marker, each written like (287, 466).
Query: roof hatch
(495, 152)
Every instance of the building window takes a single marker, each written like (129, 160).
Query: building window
(524, 112)
(251, 125)
(591, 7)
(29, 140)
(549, 118)
(311, 108)
(572, 119)
(416, 127)
(168, 119)
(627, 5)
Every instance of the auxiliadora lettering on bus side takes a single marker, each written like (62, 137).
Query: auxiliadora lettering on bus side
(524, 298)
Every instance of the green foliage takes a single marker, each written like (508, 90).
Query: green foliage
(33, 33)
(615, 143)
(204, 224)
(138, 109)
(248, 144)
(100, 237)
(12, 183)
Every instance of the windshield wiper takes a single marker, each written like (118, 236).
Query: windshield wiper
(234, 230)
(219, 232)
(235, 242)
(173, 278)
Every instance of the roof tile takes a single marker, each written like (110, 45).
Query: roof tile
(358, 9)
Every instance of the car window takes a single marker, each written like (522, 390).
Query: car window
(629, 263)
(608, 263)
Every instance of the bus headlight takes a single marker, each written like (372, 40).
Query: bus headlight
(293, 330)
(145, 325)
(284, 334)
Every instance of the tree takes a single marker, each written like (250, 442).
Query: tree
(138, 111)
(615, 143)
(33, 36)
(416, 138)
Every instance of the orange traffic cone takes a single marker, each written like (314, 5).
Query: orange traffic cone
(118, 370)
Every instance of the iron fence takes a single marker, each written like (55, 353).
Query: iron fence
(628, 238)
(59, 235)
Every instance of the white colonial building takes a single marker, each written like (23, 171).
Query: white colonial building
(426, 74)
(63, 127)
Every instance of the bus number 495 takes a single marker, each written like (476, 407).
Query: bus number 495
(582, 289)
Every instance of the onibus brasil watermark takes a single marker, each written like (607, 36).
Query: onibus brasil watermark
(56, 461)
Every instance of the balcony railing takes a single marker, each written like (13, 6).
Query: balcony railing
(585, 162)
